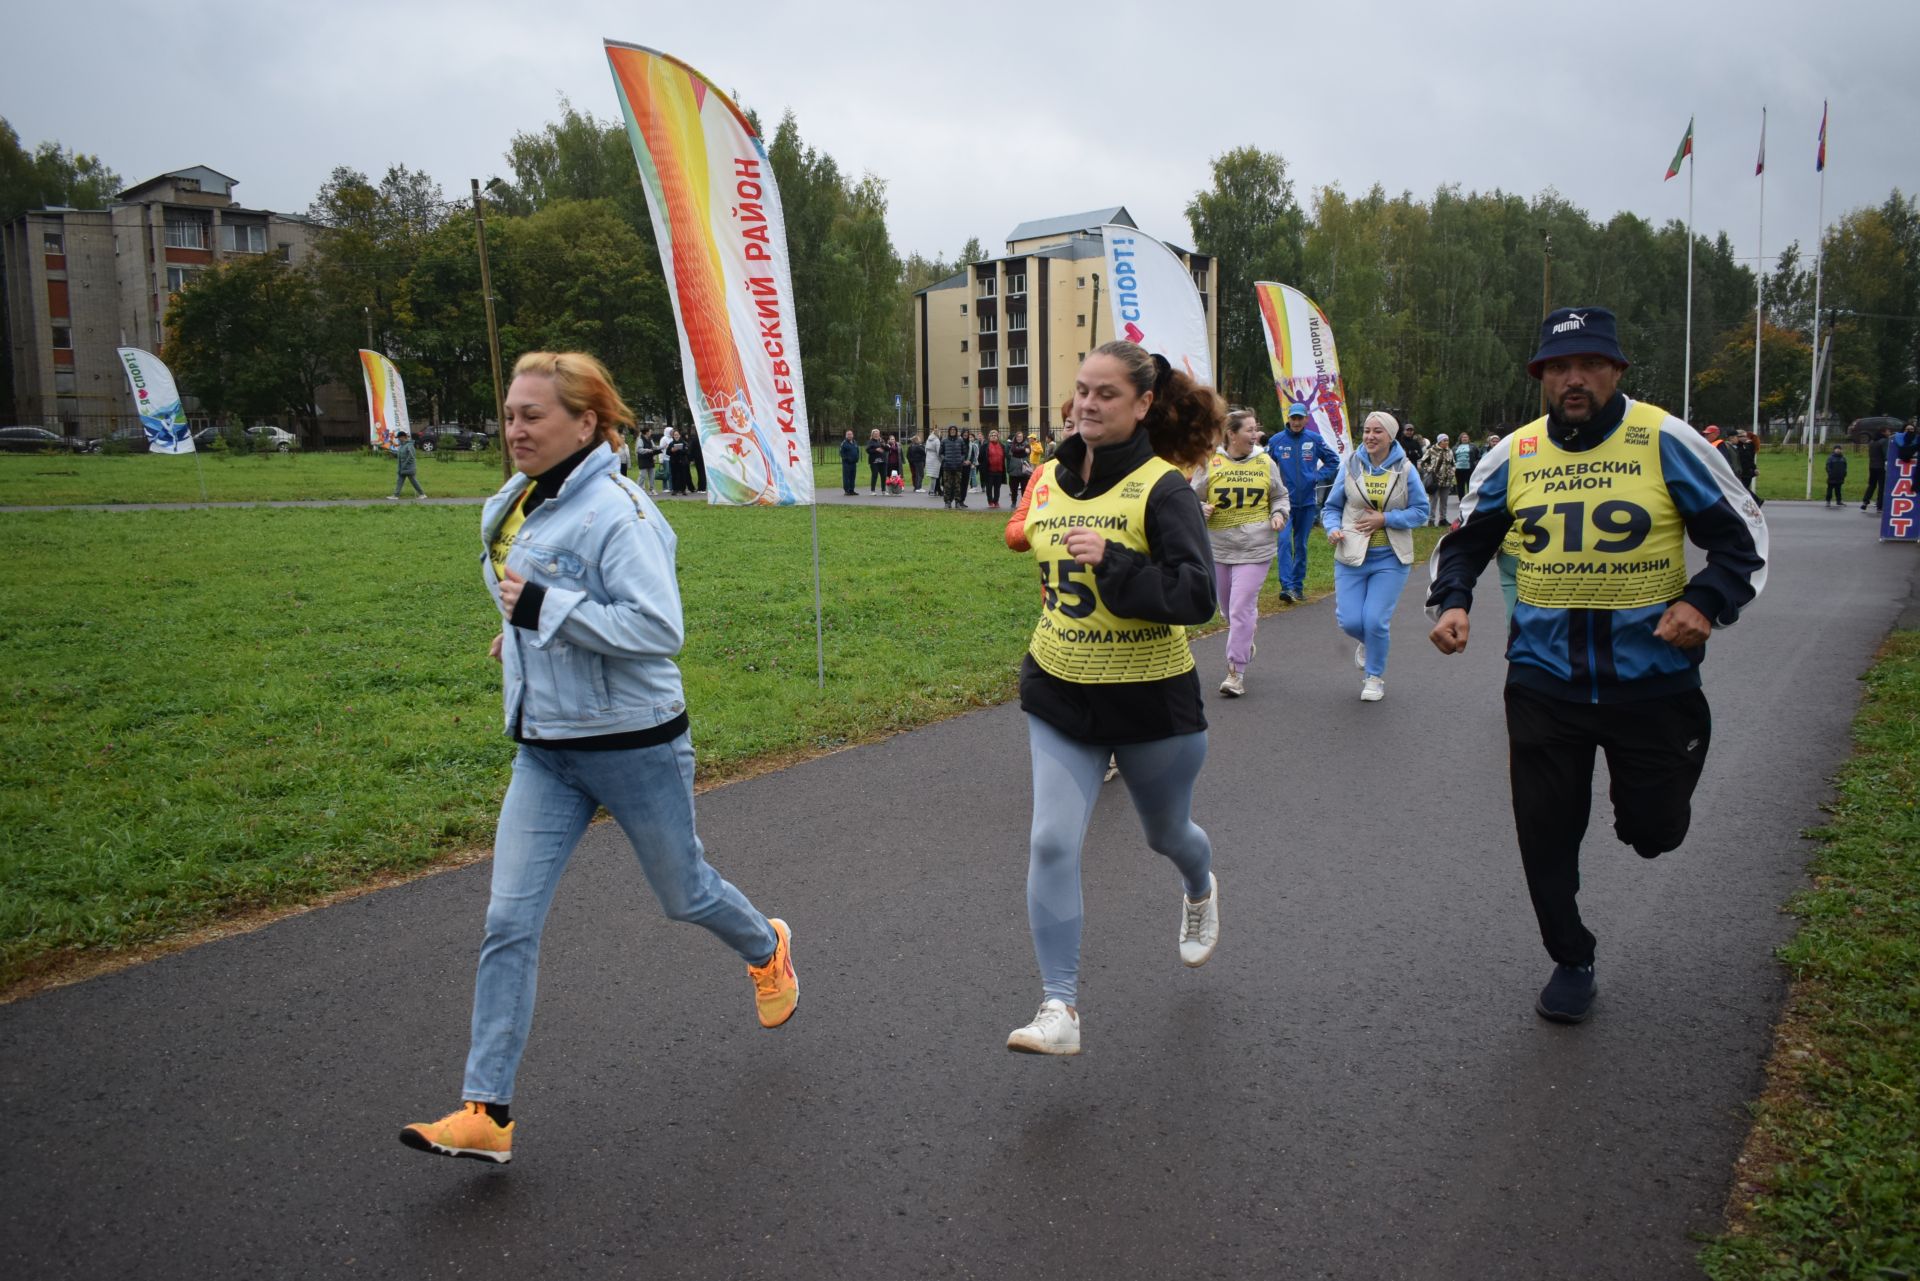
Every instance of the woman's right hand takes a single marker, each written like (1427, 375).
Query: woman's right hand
(1333, 536)
(493, 650)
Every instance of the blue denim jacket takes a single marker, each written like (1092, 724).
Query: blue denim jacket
(610, 626)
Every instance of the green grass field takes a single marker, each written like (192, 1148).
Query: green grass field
(215, 710)
(1831, 1180)
(39, 480)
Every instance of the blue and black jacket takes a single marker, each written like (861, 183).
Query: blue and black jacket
(1612, 655)
(1305, 460)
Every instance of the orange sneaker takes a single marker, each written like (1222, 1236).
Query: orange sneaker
(468, 1132)
(776, 989)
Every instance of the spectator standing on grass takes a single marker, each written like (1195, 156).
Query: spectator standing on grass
(1836, 476)
(697, 459)
(1245, 503)
(917, 461)
(876, 461)
(1437, 473)
(1376, 504)
(1018, 467)
(580, 564)
(1877, 471)
(849, 463)
(953, 469)
(895, 460)
(1465, 455)
(679, 466)
(646, 456)
(993, 467)
(1121, 549)
(1305, 461)
(406, 467)
(1606, 639)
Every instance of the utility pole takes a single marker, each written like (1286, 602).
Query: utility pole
(493, 331)
(368, 312)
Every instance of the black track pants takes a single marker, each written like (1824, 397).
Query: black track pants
(1655, 750)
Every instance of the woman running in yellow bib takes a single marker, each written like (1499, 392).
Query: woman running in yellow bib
(1124, 565)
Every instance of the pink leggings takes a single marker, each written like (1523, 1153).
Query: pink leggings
(1238, 587)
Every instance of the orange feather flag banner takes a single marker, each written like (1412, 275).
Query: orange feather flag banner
(723, 248)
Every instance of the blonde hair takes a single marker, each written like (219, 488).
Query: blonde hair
(581, 383)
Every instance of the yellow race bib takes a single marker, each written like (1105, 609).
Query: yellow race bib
(508, 531)
(1597, 529)
(1237, 490)
(1078, 638)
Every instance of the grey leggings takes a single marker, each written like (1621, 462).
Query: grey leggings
(1066, 783)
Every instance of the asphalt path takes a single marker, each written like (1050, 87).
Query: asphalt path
(1356, 1086)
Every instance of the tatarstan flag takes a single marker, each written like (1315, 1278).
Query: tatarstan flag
(1686, 149)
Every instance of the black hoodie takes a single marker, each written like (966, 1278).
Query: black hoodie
(1171, 583)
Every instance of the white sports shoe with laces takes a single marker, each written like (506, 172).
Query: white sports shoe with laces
(1055, 1030)
(1200, 925)
(1372, 689)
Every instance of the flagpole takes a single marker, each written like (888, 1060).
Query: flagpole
(1813, 388)
(1686, 392)
(1759, 271)
(1819, 261)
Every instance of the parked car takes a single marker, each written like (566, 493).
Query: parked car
(125, 440)
(1864, 430)
(38, 440)
(452, 436)
(265, 437)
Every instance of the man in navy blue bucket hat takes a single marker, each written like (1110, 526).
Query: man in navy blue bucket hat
(1608, 633)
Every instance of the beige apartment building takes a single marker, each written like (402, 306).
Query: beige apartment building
(998, 343)
(81, 282)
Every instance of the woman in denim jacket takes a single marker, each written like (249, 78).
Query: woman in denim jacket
(581, 567)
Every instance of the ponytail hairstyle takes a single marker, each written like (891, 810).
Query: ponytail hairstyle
(581, 382)
(1185, 419)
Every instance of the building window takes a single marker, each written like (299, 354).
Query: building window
(286, 252)
(55, 243)
(63, 383)
(989, 398)
(243, 238)
(989, 359)
(186, 235)
(963, 380)
(1082, 282)
(1016, 357)
(989, 324)
(1016, 284)
(965, 417)
(1016, 397)
(1017, 319)
(963, 344)
(179, 278)
(1081, 357)
(1082, 321)
(963, 309)
(986, 286)
(62, 338)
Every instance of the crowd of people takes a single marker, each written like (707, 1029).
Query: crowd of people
(1154, 509)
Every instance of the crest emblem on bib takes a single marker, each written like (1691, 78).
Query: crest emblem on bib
(1528, 447)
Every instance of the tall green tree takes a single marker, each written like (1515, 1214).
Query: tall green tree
(1249, 220)
(252, 338)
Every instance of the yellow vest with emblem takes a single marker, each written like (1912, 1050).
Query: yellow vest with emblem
(1597, 528)
(1078, 638)
(1237, 489)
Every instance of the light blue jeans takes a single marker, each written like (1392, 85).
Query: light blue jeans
(1364, 597)
(1066, 783)
(552, 798)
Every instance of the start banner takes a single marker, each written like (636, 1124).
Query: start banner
(1900, 517)
(723, 248)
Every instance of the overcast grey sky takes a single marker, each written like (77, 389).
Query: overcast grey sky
(980, 115)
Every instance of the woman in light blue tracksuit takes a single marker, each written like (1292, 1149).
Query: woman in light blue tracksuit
(1370, 515)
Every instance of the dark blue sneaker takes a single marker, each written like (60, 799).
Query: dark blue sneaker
(1568, 995)
(1286, 597)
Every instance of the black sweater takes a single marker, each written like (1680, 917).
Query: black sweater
(1171, 583)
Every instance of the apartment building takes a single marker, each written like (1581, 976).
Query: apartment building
(81, 282)
(997, 343)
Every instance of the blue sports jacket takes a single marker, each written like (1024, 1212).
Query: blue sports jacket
(1305, 461)
(1612, 655)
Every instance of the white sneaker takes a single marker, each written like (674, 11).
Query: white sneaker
(1372, 689)
(1233, 686)
(1200, 925)
(1055, 1030)
(393, 498)
(1360, 656)
(1113, 769)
